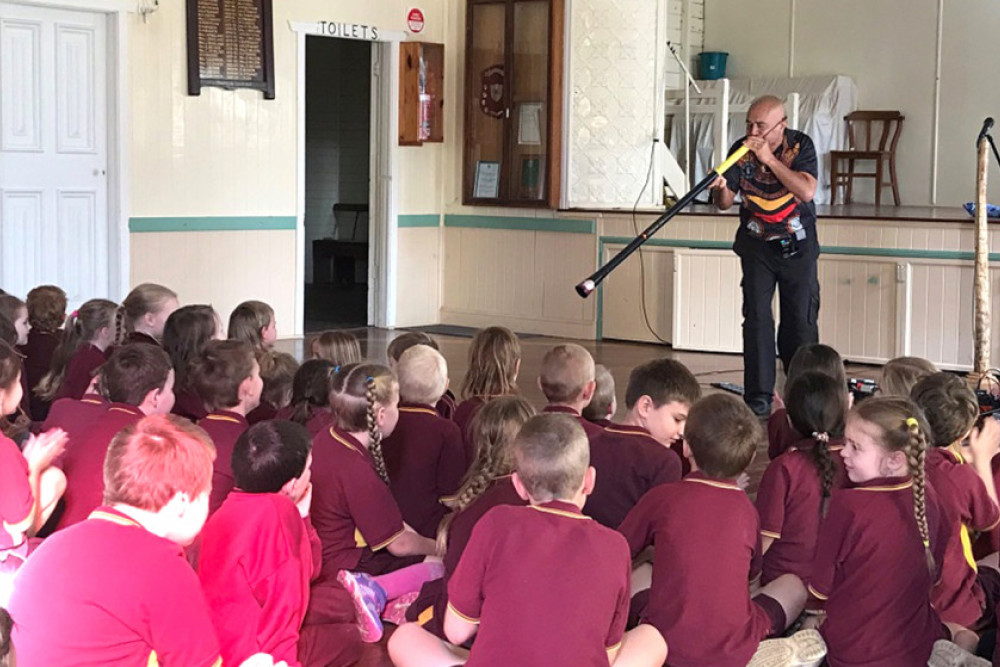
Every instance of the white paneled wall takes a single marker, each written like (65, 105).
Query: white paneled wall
(419, 278)
(521, 279)
(858, 306)
(622, 300)
(707, 301)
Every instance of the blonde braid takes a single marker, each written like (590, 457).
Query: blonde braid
(374, 434)
(916, 451)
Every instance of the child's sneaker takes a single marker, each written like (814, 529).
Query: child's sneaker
(369, 601)
(948, 654)
(395, 611)
(805, 648)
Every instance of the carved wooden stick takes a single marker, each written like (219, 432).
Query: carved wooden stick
(982, 280)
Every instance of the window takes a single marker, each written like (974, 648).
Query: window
(513, 102)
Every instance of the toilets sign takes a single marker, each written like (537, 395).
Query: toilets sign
(341, 30)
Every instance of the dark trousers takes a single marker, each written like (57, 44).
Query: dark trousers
(798, 296)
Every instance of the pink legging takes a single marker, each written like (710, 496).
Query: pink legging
(409, 579)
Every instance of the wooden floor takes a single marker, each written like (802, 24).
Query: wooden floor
(618, 356)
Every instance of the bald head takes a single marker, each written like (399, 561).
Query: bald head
(766, 113)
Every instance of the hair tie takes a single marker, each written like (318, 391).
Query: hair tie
(911, 421)
(75, 313)
(823, 437)
(927, 544)
(336, 369)
(369, 379)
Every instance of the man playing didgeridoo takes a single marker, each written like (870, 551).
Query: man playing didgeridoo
(776, 243)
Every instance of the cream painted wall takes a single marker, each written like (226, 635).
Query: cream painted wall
(888, 47)
(232, 153)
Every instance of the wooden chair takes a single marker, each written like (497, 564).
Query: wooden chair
(880, 130)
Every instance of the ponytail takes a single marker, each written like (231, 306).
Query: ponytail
(916, 451)
(121, 330)
(823, 461)
(374, 434)
(82, 327)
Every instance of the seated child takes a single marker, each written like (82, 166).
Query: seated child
(144, 313)
(494, 361)
(486, 485)
(16, 312)
(541, 581)
(139, 381)
(706, 540)
(226, 375)
(567, 380)
(277, 370)
(633, 457)
(259, 553)
(810, 357)
(900, 374)
(88, 335)
(29, 486)
(74, 416)
(796, 487)
(339, 347)
(355, 515)
(46, 312)
(8, 657)
(187, 330)
(958, 467)
(310, 404)
(424, 455)
(115, 589)
(400, 344)
(603, 405)
(882, 543)
(254, 323)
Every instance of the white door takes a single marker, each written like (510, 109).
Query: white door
(53, 151)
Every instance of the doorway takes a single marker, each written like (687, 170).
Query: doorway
(337, 182)
(60, 201)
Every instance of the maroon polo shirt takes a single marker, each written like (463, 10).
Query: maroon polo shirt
(319, 419)
(38, 353)
(353, 510)
(872, 572)
(262, 413)
(464, 413)
(705, 533)
(255, 567)
(16, 501)
(109, 592)
(966, 507)
(790, 503)
(80, 371)
(629, 462)
(780, 434)
(429, 608)
(425, 458)
(540, 581)
(446, 406)
(140, 337)
(188, 404)
(591, 429)
(603, 423)
(225, 428)
(74, 416)
(83, 462)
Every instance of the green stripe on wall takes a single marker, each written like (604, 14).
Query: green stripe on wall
(211, 224)
(522, 224)
(418, 221)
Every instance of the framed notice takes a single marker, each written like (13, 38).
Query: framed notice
(487, 184)
(529, 123)
(532, 171)
(230, 44)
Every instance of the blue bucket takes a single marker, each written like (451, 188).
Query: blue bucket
(712, 64)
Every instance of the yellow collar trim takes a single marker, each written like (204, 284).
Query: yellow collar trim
(552, 510)
(222, 418)
(113, 518)
(712, 482)
(894, 487)
(419, 410)
(345, 443)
